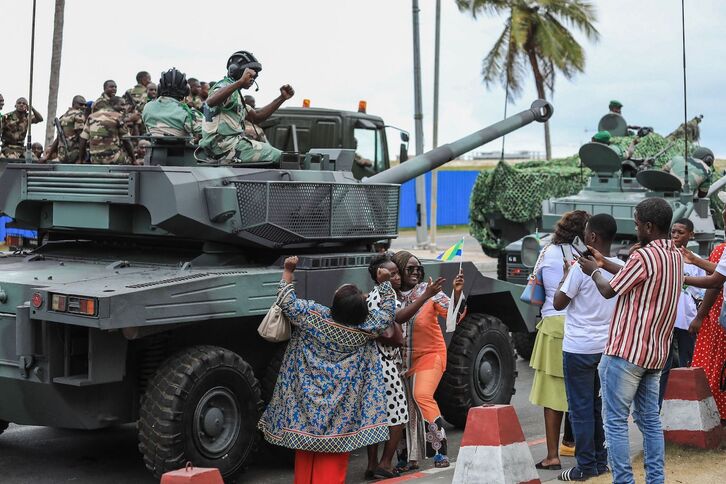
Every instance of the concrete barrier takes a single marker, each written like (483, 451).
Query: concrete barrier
(193, 475)
(690, 416)
(493, 449)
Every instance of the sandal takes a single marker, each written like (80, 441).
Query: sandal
(551, 467)
(381, 473)
(573, 474)
(441, 461)
(369, 475)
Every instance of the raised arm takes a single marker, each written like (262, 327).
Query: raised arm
(692, 258)
(713, 281)
(406, 313)
(220, 96)
(259, 115)
(703, 310)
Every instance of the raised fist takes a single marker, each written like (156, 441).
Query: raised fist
(287, 92)
(291, 263)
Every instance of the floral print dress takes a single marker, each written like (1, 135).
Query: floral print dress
(330, 394)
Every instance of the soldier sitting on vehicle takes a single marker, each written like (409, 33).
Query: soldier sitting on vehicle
(104, 132)
(252, 131)
(15, 128)
(699, 170)
(168, 115)
(603, 137)
(193, 99)
(223, 131)
(71, 125)
(151, 92)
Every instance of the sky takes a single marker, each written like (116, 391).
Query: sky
(337, 52)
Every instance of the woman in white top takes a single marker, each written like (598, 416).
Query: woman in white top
(548, 387)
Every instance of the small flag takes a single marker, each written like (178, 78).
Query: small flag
(455, 250)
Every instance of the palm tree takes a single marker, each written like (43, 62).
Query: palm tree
(55, 63)
(535, 37)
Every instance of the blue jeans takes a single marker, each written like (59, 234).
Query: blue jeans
(585, 406)
(623, 384)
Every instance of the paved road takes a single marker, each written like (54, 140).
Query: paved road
(42, 455)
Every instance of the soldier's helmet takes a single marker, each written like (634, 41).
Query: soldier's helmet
(704, 154)
(239, 61)
(173, 84)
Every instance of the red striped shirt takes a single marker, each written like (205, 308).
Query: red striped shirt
(648, 288)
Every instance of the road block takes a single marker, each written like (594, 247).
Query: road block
(193, 475)
(493, 449)
(690, 416)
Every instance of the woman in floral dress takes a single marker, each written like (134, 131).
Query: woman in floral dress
(329, 398)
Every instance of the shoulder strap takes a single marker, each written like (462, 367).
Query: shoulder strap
(540, 258)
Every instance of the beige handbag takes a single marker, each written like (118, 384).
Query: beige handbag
(275, 327)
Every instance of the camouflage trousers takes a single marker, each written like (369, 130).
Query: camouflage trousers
(14, 151)
(109, 157)
(238, 149)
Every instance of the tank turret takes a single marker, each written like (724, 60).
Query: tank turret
(253, 206)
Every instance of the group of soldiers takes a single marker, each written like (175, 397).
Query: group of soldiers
(116, 129)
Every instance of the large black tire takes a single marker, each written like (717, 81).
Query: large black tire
(524, 344)
(480, 368)
(202, 405)
(3, 426)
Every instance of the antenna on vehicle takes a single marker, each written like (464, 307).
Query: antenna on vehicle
(28, 152)
(686, 185)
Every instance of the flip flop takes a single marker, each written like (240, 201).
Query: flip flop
(384, 474)
(369, 476)
(551, 467)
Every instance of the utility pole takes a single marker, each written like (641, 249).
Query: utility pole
(421, 223)
(435, 173)
(55, 64)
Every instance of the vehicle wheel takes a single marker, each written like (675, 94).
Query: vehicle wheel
(202, 405)
(3, 426)
(524, 344)
(480, 368)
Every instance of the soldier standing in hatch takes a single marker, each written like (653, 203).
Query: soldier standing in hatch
(103, 134)
(223, 132)
(15, 128)
(169, 115)
(72, 124)
(194, 100)
(252, 131)
(616, 107)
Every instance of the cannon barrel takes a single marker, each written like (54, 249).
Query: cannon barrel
(539, 111)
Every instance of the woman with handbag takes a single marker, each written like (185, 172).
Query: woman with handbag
(329, 397)
(548, 386)
(389, 352)
(425, 360)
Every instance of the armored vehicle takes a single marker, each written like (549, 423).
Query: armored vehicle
(611, 189)
(143, 299)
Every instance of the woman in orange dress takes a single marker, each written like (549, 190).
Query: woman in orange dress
(425, 359)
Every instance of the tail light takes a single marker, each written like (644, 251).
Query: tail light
(86, 306)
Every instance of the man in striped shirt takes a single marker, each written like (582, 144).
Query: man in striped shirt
(640, 334)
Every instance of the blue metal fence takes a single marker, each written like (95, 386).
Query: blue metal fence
(5, 231)
(454, 194)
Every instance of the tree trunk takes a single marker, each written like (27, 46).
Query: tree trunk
(539, 82)
(55, 64)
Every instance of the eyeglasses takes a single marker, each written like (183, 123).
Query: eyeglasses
(412, 269)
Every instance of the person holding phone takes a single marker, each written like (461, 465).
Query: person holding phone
(548, 387)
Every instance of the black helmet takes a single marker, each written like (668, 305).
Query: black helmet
(173, 84)
(239, 61)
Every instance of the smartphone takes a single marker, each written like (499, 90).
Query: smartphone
(580, 247)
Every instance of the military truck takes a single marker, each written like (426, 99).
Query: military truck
(611, 189)
(142, 302)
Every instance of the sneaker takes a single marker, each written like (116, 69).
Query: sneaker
(603, 469)
(567, 450)
(573, 474)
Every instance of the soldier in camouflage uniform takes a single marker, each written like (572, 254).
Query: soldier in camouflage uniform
(252, 131)
(223, 132)
(169, 115)
(151, 92)
(194, 100)
(15, 128)
(204, 90)
(699, 170)
(72, 124)
(137, 95)
(103, 134)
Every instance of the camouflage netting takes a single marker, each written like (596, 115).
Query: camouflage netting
(516, 192)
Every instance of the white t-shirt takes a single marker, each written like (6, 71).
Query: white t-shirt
(686, 303)
(552, 271)
(721, 268)
(588, 315)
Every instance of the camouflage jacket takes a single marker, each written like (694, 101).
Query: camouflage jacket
(699, 174)
(15, 128)
(223, 126)
(194, 102)
(165, 116)
(104, 130)
(72, 124)
(139, 95)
